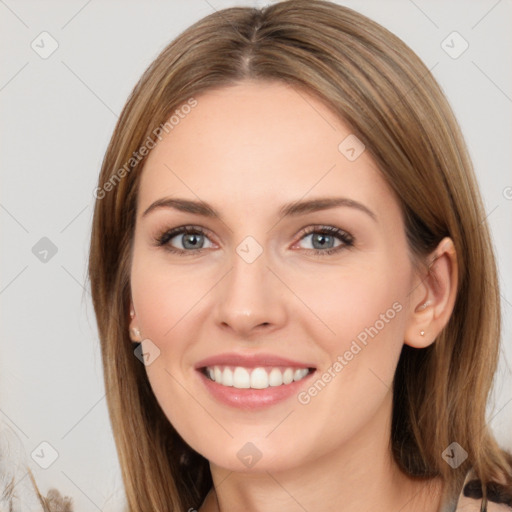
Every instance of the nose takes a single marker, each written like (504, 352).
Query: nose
(250, 299)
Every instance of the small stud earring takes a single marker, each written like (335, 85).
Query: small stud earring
(132, 313)
(422, 333)
(135, 332)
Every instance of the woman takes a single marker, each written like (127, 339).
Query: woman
(294, 285)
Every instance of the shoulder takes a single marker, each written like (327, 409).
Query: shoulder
(470, 498)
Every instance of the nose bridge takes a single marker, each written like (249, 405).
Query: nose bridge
(247, 296)
(247, 283)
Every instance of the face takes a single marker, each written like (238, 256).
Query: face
(272, 318)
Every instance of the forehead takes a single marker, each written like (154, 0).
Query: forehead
(258, 142)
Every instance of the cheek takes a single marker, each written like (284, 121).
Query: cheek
(164, 300)
(363, 320)
(361, 334)
(356, 304)
(164, 296)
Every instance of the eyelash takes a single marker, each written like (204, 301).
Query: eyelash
(162, 240)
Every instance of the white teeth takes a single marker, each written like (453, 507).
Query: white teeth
(241, 378)
(259, 378)
(300, 373)
(256, 378)
(276, 377)
(288, 376)
(227, 377)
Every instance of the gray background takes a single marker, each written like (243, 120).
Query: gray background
(57, 115)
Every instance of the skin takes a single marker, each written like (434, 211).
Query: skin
(247, 149)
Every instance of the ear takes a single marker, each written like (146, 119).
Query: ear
(433, 297)
(135, 335)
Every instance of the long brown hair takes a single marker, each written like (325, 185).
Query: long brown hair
(381, 89)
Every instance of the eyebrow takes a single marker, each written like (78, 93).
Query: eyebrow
(292, 209)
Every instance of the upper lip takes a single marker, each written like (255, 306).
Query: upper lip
(250, 361)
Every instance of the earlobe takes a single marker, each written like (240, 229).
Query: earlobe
(434, 298)
(419, 333)
(135, 334)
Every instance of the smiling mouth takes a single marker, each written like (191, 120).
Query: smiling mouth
(261, 377)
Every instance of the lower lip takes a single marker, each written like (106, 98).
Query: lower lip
(253, 398)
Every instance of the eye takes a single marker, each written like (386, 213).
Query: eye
(188, 239)
(327, 239)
